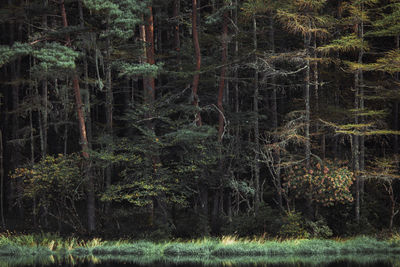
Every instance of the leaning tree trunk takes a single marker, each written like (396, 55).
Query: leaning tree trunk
(86, 95)
(84, 141)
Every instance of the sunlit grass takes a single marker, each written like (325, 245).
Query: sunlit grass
(224, 247)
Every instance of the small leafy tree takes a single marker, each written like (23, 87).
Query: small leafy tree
(385, 171)
(325, 182)
(55, 185)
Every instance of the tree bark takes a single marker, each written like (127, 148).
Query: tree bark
(222, 77)
(15, 148)
(277, 154)
(359, 153)
(84, 141)
(257, 199)
(109, 114)
(362, 106)
(177, 39)
(396, 110)
(86, 95)
(150, 52)
(307, 40)
(196, 77)
(356, 152)
(2, 182)
(218, 197)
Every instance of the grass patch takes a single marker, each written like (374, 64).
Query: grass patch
(225, 247)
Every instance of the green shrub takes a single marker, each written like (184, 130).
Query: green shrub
(318, 229)
(293, 226)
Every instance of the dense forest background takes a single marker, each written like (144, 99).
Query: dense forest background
(163, 118)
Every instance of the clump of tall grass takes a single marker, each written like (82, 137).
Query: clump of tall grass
(227, 246)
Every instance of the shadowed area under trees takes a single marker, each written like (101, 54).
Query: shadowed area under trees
(189, 118)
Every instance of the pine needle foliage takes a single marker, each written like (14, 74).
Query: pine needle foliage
(8, 53)
(349, 43)
(303, 17)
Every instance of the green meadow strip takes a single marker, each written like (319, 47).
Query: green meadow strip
(207, 251)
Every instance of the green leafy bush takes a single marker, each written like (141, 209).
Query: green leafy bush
(325, 182)
(318, 229)
(55, 183)
(294, 226)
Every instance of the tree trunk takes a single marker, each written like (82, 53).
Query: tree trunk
(196, 77)
(236, 78)
(316, 96)
(218, 197)
(307, 42)
(359, 153)
(109, 113)
(150, 52)
(203, 191)
(257, 199)
(2, 182)
(222, 77)
(362, 138)
(16, 154)
(277, 183)
(86, 95)
(396, 110)
(177, 40)
(44, 109)
(84, 141)
(355, 153)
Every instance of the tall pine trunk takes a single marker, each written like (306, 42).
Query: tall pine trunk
(84, 141)
(109, 112)
(196, 76)
(275, 123)
(256, 123)
(362, 106)
(307, 42)
(356, 151)
(218, 197)
(359, 147)
(3, 223)
(177, 40)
